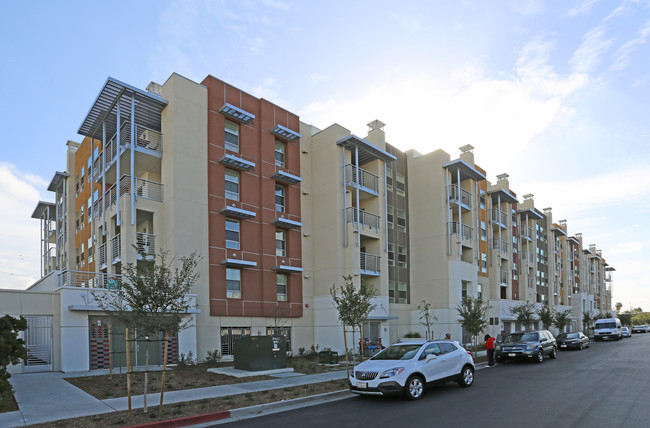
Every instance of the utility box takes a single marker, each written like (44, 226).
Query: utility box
(256, 353)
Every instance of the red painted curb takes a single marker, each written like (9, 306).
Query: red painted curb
(186, 421)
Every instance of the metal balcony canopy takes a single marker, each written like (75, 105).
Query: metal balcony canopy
(367, 152)
(56, 180)
(286, 269)
(42, 207)
(558, 230)
(573, 239)
(237, 162)
(148, 107)
(505, 196)
(531, 213)
(285, 133)
(285, 222)
(466, 171)
(286, 177)
(236, 114)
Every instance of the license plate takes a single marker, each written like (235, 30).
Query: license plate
(362, 385)
(562, 346)
(512, 355)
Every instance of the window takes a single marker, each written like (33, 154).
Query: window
(76, 185)
(232, 234)
(402, 290)
(233, 283)
(514, 271)
(279, 153)
(81, 180)
(401, 256)
(401, 220)
(280, 191)
(391, 291)
(90, 208)
(389, 179)
(232, 136)
(483, 262)
(391, 254)
(90, 167)
(483, 200)
(483, 231)
(281, 284)
(280, 243)
(229, 335)
(463, 291)
(389, 217)
(76, 250)
(82, 256)
(479, 291)
(76, 216)
(232, 185)
(514, 244)
(81, 218)
(90, 249)
(401, 184)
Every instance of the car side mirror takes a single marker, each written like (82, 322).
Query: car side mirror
(543, 339)
(430, 357)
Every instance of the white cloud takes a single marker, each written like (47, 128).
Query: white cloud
(594, 45)
(627, 247)
(530, 7)
(622, 59)
(19, 255)
(582, 8)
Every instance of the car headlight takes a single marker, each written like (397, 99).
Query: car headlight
(532, 346)
(391, 372)
(498, 347)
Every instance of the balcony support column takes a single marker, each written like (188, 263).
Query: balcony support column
(356, 162)
(448, 216)
(345, 203)
(460, 214)
(385, 209)
(104, 177)
(499, 220)
(117, 171)
(132, 136)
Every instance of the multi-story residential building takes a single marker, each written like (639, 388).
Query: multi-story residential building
(280, 211)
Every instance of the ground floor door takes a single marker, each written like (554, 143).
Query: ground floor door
(38, 340)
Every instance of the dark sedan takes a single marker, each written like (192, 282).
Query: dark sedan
(575, 340)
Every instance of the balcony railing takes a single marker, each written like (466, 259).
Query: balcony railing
(370, 264)
(500, 246)
(455, 229)
(499, 217)
(558, 248)
(146, 245)
(465, 197)
(116, 248)
(102, 256)
(526, 233)
(367, 180)
(145, 189)
(73, 278)
(365, 218)
(503, 277)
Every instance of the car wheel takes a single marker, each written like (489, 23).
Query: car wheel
(414, 388)
(581, 346)
(540, 357)
(554, 353)
(466, 377)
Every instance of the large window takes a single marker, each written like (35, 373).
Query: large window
(279, 153)
(232, 234)
(232, 184)
(390, 217)
(483, 262)
(401, 220)
(483, 231)
(401, 184)
(280, 192)
(232, 136)
(402, 291)
(281, 284)
(483, 200)
(401, 256)
(233, 283)
(389, 179)
(391, 254)
(280, 243)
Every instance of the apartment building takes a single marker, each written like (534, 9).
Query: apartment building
(280, 211)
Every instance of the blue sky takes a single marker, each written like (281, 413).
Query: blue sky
(554, 93)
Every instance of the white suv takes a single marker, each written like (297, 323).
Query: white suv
(407, 368)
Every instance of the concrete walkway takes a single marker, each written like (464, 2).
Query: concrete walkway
(47, 397)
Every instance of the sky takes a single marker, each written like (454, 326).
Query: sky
(553, 93)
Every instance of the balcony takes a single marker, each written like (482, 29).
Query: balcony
(146, 245)
(370, 264)
(366, 219)
(558, 248)
(459, 196)
(500, 246)
(73, 278)
(503, 278)
(526, 233)
(116, 249)
(499, 218)
(145, 189)
(368, 182)
(465, 233)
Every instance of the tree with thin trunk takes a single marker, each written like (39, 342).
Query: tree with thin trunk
(587, 322)
(561, 319)
(151, 297)
(524, 312)
(354, 306)
(473, 312)
(545, 316)
(427, 317)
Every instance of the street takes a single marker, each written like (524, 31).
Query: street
(606, 385)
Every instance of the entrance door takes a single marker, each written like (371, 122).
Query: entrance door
(38, 340)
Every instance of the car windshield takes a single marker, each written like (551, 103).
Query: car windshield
(398, 352)
(605, 325)
(522, 337)
(568, 336)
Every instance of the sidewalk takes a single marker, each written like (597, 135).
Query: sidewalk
(47, 397)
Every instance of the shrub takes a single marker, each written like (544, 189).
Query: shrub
(412, 334)
(213, 358)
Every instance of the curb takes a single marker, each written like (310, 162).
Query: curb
(186, 421)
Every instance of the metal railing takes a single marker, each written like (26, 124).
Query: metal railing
(145, 189)
(526, 232)
(146, 244)
(74, 278)
(499, 217)
(148, 139)
(500, 245)
(116, 248)
(503, 277)
(465, 197)
(454, 229)
(366, 179)
(365, 218)
(370, 262)
(102, 255)
(558, 248)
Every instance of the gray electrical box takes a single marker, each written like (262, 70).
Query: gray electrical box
(256, 353)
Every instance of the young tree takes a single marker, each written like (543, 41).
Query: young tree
(152, 298)
(12, 347)
(561, 319)
(587, 322)
(353, 305)
(545, 316)
(524, 313)
(427, 317)
(473, 312)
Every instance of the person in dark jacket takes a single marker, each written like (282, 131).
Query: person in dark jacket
(489, 345)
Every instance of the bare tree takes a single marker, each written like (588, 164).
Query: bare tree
(427, 317)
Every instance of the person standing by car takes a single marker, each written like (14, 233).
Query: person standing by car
(489, 345)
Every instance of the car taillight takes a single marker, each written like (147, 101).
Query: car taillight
(470, 354)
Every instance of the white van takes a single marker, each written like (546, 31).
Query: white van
(608, 328)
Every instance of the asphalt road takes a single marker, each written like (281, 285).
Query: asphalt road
(606, 385)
